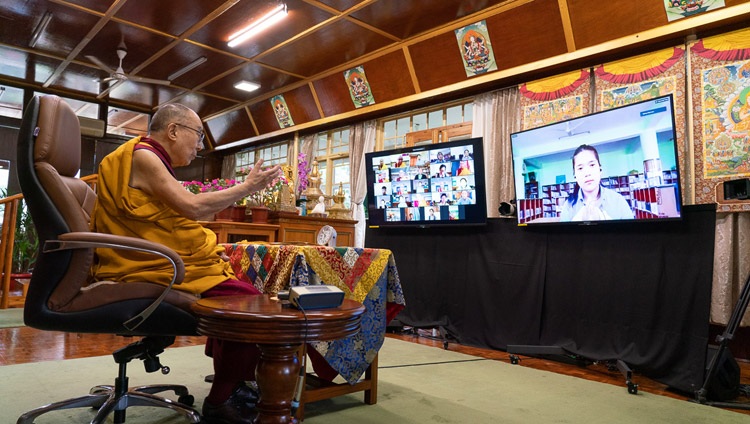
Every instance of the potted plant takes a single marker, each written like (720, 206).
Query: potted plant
(26, 243)
(235, 212)
(260, 203)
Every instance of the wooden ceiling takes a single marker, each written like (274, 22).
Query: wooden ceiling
(407, 47)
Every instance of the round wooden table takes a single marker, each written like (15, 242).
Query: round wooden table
(279, 330)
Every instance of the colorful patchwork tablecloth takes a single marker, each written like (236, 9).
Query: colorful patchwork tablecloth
(368, 276)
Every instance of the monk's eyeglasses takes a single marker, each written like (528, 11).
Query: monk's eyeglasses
(201, 134)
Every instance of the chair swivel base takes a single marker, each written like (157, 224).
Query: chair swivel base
(115, 399)
(107, 401)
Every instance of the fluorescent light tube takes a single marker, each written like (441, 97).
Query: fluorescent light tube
(189, 67)
(246, 86)
(275, 15)
(40, 28)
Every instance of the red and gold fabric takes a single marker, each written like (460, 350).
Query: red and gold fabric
(368, 276)
(554, 99)
(645, 77)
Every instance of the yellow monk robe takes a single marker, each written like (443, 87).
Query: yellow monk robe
(124, 210)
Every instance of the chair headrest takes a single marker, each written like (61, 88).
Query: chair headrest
(58, 139)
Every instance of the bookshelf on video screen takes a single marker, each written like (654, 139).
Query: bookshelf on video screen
(612, 166)
(440, 184)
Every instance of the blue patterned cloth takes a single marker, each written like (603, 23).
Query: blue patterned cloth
(368, 276)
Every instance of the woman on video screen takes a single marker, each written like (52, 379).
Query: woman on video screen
(591, 201)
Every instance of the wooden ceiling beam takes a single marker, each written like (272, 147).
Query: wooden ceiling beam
(570, 41)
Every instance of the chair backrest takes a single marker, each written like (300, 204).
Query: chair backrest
(49, 156)
(61, 295)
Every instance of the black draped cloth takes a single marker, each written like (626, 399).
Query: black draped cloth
(637, 292)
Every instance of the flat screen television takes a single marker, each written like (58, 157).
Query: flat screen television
(617, 165)
(429, 185)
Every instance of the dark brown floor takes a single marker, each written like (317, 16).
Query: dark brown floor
(24, 345)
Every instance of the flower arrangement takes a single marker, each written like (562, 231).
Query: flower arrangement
(213, 185)
(302, 170)
(270, 196)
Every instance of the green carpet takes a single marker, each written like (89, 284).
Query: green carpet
(418, 384)
(12, 317)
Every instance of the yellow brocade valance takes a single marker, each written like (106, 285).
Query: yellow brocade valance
(639, 68)
(728, 47)
(554, 87)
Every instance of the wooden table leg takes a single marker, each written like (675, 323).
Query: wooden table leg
(277, 373)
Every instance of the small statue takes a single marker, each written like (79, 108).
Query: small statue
(320, 208)
(338, 210)
(313, 190)
(286, 195)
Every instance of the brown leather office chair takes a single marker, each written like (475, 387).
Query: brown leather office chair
(61, 295)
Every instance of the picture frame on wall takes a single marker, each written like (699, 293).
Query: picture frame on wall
(281, 111)
(359, 87)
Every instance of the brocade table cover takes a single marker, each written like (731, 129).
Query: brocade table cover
(368, 276)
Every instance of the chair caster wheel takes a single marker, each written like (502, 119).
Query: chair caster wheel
(632, 388)
(514, 359)
(188, 400)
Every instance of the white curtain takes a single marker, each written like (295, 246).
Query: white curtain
(731, 265)
(496, 115)
(362, 141)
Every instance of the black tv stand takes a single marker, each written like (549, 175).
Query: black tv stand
(437, 332)
(722, 354)
(559, 354)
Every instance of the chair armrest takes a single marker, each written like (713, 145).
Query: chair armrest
(86, 240)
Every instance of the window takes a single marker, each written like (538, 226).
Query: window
(127, 123)
(427, 126)
(274, 154)
(11, 102)
(395, 130)
(332, 153)
(271, 155)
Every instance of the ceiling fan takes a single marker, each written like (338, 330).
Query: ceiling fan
(570, 131)
(118, 75)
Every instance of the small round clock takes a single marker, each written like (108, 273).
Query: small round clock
(327, 236)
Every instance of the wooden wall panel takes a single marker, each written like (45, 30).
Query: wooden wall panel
(526, 34)
(300, 102)
(88, 156)
(333, 94)
(302, 106)
(437, 61)
(521, 35)
(389, 77)
(230, 127)
(595, 22)
(202, 104)
(264, 118)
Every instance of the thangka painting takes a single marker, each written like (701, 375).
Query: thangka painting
(554, 99)
(645, 77)
(359, 87)
(281, 111)
(678, 9)
(726, 120)
(721, 87)
(476, 49)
